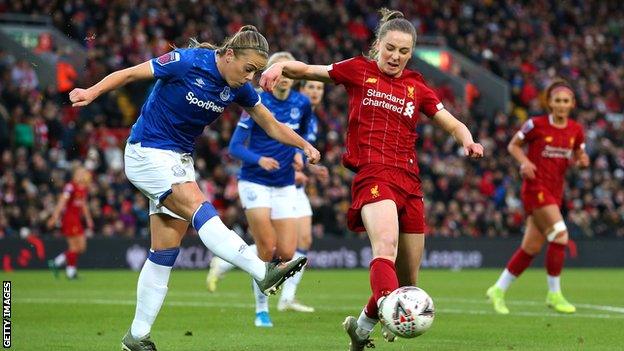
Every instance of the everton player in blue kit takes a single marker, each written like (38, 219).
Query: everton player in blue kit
(266, 183)
(287, 302)
(194, 86)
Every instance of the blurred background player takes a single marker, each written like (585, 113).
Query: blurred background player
(194, 87)
(314, 90)
(553, 140)
(387, 200)
(218, 267)
(266, 183)
(74, 204)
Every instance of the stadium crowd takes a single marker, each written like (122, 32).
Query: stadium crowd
(528, 44)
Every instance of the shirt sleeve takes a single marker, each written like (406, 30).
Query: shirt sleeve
(579, 141)
(247, 96)
(241, 134)
(429, 103)
(344, 72)
(172, 64)
(527, 132)
(312, 131)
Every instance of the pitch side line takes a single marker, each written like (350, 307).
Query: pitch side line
(535, 303)
(250, 306)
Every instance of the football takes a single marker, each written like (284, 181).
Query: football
(407, 312)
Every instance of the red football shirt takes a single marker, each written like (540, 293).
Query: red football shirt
(550, 149)
(383, 113)
(77, 196)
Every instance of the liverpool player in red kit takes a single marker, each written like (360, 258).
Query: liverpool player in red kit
(75, 203)
(552, 141)
(385, 101)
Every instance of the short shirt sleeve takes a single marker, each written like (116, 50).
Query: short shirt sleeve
(68, 189)
(428, 102)
(246, 121)
(527, 132)
(172, 64)
(579, 140)
(345, 72)
(247, 96)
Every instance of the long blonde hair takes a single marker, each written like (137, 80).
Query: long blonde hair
(247, 38)
(391, 20)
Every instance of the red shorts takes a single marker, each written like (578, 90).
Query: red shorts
(71, 226)
(536, 196)
(380, 182)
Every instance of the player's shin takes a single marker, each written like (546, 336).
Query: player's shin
(555, 256)
(152, 289)
(225, 243)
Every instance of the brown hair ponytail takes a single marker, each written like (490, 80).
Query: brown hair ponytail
(247, 38)
(391, 20)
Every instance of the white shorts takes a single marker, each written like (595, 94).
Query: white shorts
(303, 203)
(281, 200)
(154, 171)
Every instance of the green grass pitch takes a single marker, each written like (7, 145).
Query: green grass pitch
(94, 312)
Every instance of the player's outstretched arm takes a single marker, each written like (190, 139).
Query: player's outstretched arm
(83, 97)
(460, 132)
(282, 132)
(293, 70)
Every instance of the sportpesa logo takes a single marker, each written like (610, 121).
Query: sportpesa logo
(208, 105)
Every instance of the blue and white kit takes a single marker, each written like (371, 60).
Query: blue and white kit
(271, 189)
(189, 94)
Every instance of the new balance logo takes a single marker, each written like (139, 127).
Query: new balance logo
(371, 80)
(409, 109)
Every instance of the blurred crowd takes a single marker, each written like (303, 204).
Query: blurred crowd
(526, 43)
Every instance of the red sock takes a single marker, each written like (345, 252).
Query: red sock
(71, 257)
(519, 262)
(555, 255)
(383, 277)
(372, 310)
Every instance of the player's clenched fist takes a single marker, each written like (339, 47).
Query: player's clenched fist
(474, 150)
(81, 97)
(312, 153)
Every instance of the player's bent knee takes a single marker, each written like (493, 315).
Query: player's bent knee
(558, 233)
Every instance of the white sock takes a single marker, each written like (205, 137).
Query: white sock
(262, 301)
(60, 259)
(71, 271)
(289, 289)
(554, 283)
(220, 266)
(505, 280)
(230, 247)
(151, 292)
(365, 325)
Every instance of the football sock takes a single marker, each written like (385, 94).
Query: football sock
(60, 259)
(72, 260)
(555, 256)
(371, 310)
(366, 323)
(151, 289)
(262, 301)
(289, 289)
(519, 262)
(554, 283)
(224, 242)
(505, 280)
(383, 277)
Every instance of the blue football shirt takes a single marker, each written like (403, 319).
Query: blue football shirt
(190, 94)
(295, 112)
